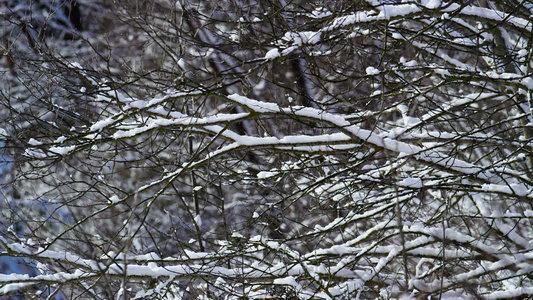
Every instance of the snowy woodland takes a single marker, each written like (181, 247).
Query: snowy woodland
(266, 149)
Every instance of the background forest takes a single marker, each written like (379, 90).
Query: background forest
(269, 149)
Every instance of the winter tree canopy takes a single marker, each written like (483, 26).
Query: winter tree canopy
(269, 149)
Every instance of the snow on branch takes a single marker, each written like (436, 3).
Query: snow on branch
(448, 163)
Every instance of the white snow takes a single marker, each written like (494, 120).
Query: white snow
(434, 157)
(62, 150)
(98, 126)
(60, 140)
(272, 54)
(372, 71)
(198, 220)
(516, 189)
(411, 183)
(522, 53)
(290, 280)
(114, 199)
(386, 12)
(431, 3)
(140, 104)
(266, 174)
(491, 14)
(303, 37)
(34, 152)
(34, 142)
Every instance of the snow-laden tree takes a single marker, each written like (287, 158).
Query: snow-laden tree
(268, 149)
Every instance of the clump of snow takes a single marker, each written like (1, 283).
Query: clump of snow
(321, 12)
(411, 183)
(522, 53)
(198, 220)
(237, 235)
(412, 63)
(60, 139)
(289, 50)
(527, 82)
(102, 98)
(372, 71)
(181, 63)
(303, 37)
(402, 108)
(140, 104)
(33, 152)
(272, 54)
(266, 174)
(75, 65)
(34, 142)
(290, 280)
(114, 199)
(98, 126)
(62, 150)
(410, 121)
(234, 37)
(518, 189)
(431, 3)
